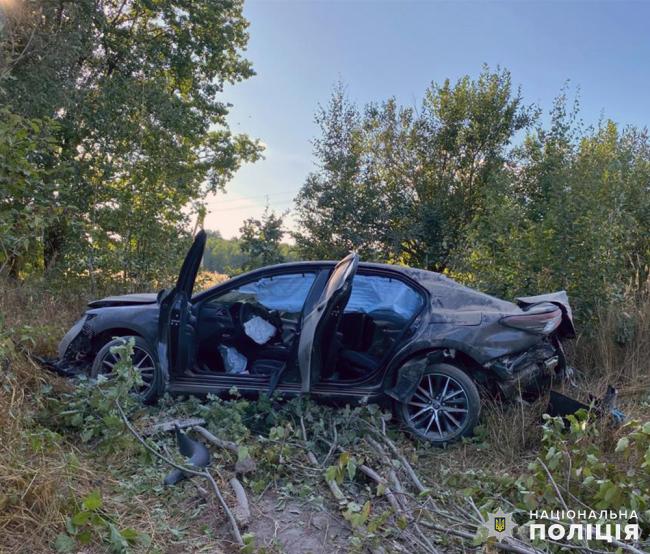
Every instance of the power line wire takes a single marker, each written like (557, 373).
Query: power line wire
(240, 208)
(242, 198)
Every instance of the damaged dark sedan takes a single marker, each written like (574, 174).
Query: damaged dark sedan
(346, 331)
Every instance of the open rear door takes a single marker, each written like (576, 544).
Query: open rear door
(319, 325)
(175, 328)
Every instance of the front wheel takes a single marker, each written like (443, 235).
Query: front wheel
(444, 407)
(143, 360)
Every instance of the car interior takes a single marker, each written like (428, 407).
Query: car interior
(253, 329)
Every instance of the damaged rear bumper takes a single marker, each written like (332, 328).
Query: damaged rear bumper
(529, 371)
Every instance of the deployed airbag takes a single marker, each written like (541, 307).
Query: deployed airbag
(258, 329)
(371, 293)
(285, 293)
(233, 360)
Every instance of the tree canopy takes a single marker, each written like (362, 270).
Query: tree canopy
(476, 184)
(130, 91)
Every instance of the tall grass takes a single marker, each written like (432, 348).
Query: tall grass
(616, 350)
(40, 474)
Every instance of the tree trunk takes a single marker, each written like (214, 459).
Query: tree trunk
(53, 238)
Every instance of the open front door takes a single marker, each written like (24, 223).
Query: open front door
(175, 328)
(317, 334)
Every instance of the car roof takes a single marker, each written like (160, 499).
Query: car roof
(321, 264)
(318, 265)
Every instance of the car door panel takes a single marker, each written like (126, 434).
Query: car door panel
(312, 341)
(177, 323)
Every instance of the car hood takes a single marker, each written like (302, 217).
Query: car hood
(124, 300)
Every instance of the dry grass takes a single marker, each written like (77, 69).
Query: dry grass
(43, 475)
(39, 315)
(617, 349)
(38, 478)
(512, 430)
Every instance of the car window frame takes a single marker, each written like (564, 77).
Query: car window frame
(394, 274)
(241, 280)
(407, 281)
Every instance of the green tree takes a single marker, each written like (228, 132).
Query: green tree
(25, 145)
(339, 207)
(572, 214)
(402, 185)
(261, 240)
(134, 86)
(476, 184)
(223, 255)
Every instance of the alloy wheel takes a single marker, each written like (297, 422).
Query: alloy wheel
(142, 362)
(439, 407)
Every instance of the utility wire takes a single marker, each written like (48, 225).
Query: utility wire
(279, 205)
(242, 198)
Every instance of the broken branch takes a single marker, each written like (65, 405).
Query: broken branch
(221, 443)
(333, 486)
(242, 512)
(167, 426)
(405, 464)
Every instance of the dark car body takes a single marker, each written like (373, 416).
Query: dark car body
(331, 349)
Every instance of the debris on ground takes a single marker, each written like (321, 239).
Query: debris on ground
(197, 454)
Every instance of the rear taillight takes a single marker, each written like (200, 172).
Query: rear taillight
(541, 321)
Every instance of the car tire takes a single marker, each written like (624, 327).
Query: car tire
(143, 358)
(444, 407)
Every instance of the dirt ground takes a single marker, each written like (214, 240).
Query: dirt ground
(298, 528)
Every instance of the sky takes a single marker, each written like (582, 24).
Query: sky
(380, 48)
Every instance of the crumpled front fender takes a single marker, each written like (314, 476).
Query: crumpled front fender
(76, 341)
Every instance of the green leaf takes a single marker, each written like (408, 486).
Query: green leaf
(242, 454)
(622, 444)
(331, 473)
(64, 543)
(129, 534)
(118, 543)
(87, 434)
(249, 543)
(81, 518)
(93, 501)
(85, 536)
(352, 468)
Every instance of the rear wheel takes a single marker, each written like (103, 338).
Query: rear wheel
(143, 360)
(444, 407)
